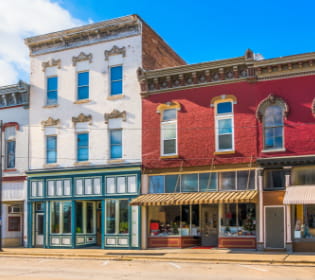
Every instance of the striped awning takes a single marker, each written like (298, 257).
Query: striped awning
(300, 195)
(195, 198)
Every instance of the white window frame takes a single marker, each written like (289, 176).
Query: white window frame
(165, 124)
(223, 116)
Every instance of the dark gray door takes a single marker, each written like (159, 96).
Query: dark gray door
(209, 225)
(274, 227)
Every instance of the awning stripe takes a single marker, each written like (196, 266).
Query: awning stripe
(300, 195)
(195, 198)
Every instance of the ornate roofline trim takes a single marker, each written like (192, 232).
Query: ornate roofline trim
(51, 63)
(50, 122)
(115, 114)
(81, 57)
(114, 51)
(270, 100)
(82, 118)
(167, 106)
(10, 124)
(313, 107)
(223, 98)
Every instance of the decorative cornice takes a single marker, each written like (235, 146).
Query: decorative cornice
(81, 57)
(82, 118)
(85, 35)
(114, 115)
(168, 106)
(50, 122)
(270, 100)
(51, 63)
(223, 97)
(114, 51)
(14, 95)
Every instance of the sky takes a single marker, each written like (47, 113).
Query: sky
(199, 30)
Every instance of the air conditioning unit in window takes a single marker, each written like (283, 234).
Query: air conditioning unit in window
(15, 209)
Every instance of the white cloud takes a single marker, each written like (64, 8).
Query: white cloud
(23, 18)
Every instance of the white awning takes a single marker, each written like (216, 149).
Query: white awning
(300, 195)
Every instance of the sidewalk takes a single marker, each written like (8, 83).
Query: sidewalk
(180, 255)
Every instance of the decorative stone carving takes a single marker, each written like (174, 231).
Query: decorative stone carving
(51, 63)
(81, 57)
(82, 118)
(249, 55)
(115, 114)
(114, 51)
(50, 122)
(269, 101)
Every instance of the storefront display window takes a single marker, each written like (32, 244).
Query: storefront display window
(117, 212)
(189, 182)
(85, 217)
(304, 222)
(238, 219)
(60, 217)
(208, 182)
(174, 221)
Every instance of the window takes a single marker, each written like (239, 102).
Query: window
(60, 217)
(274, 179)
(85, 217)
(51, 149)
(121, 184)
(83, 85)
(82, 146)
(304, 176)
(117, 212)
(169, 132)
(115, 143)
(116, 79)
(224, 127)
(273, 127)
(88, 186)
(10, 154)
(14, 223)
(52, 90)
(37, 189)
(59, 187)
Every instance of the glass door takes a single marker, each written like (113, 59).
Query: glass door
(39, 229)
(209, 225)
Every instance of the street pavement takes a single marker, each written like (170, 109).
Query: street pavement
(179, 255)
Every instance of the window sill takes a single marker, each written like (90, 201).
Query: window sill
(82, 101)
(51, 106)
(115, 160)
(50, 165)
(167, 157)
(273, 150)
(116, 97)
(10, 170)
(224, 152)
(81, 163)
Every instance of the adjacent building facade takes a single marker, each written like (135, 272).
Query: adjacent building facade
(223, 143)
(85, 132)
(14, 100)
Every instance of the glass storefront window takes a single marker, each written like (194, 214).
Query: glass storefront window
(189, 183)
(110, 216)
(156, 184)
(85, 217)
(303, 176)
(117, 212)
(123, 216)
(245, 180)
(67, 217)
(227, 181)
(304, 221)
(60, 217)
(79, 217)
(55, 217)
(207, 182)
(172, 183)
(90, 217)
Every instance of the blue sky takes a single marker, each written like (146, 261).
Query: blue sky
(200, 30)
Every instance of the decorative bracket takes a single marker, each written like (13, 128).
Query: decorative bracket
(115, 114)
(81, 57)
(50, 122)
(82, 118)
(114, 51)
(51, 63)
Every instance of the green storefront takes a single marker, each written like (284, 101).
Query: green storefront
(73, 208)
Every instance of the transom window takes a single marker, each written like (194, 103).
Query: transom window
(83, 85)
(273, 127)
(169, 132)
(224, 126)
(116, 80)
(52, 90)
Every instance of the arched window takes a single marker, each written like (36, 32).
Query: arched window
(271, 112)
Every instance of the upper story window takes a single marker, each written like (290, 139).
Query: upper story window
(10, 147)
(169, 132)
(303, 176)
(51, 149)
(116, 80)
(224, 126)
(272, 111)
(274, 179)
(115, 143)
(83, 85)
(82, 146)
(52, 90)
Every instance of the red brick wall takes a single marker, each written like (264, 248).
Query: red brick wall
(196, 138)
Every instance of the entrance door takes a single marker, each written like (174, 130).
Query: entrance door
(39, 229)
(274, 221)
(209, 225)
(98, 227)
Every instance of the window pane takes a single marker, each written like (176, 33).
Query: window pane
(169, 147)
(169, 115)
(83, 146)
(224, 107)
(273, 116)
(51, 97)
(245, 180)
(304, 177)
(79, 217)
(116, 152)
(189, 183)
(51, 143)
(247, 216)
(116, 88)
(156, 184)
(116, 143)
(67, 217)
(274, 179)
(225, 142)
(172, 183)
(110, 185)
(123, 216)
(121, 184)
(83, 78)
(185, 220)
(52, 83)
(116, 80)
(208, 182)
(132, 185)
(116, 73)
(169, 131)
(10, 154)
(227, 181)
(110, 216)
(225, 126)
(115, 136)
(83, 92)
(55, 217)
(89, 218)
(229, 215)
(51, 188)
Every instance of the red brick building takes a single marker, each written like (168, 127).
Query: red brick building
(223, 142)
